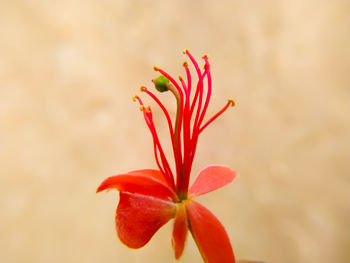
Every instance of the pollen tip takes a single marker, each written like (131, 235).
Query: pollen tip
(155, 68)
(142, 108)
(180, 78)
(143, 88)
(148, 109)
(205, 56)
(134, 98)
(185, 51)
(233, 103)
(185, 64)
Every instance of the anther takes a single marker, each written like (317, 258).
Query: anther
(143, 88)
(185, 64)
(180, 78)
(185, 51)
(233, 103)
(148, 109)
(142, 108)
(155, 68)
(205, 56)
(134, 98)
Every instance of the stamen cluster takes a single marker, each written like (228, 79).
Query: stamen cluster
(192, 105)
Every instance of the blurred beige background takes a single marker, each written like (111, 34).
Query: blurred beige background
(68, 70)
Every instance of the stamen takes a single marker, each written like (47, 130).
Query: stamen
(187, 121)
(200, 115)
(157, 159)
(167, 116)
(207, 68)
(198, 90)
(188, 74)
(183, 84)
(166, 113)
(199, 105)
(233, 103)
(229, 103)
(138, 99)
(168, 173)
(147, 113)
(189, 144)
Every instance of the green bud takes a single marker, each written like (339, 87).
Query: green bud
(161, 83)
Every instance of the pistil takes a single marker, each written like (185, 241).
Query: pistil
(178, 94)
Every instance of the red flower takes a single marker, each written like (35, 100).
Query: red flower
(150, 198)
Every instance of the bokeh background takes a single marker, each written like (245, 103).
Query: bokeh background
(68, 70)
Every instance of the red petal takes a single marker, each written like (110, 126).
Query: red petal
(149, 173)
(212, 178)
(209, 234)
(143, 182)
(138, 217)
(180, 230)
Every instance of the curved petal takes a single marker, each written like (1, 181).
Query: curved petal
(145, 182)
(138, 217)
(209, 234)
(179, 231)
(212, 178)
(150, 173)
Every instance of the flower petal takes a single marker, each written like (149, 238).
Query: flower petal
(149, 173)
(180, 230)
(209, 234)
(212, 178)
(145, 182)
(138, 217)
